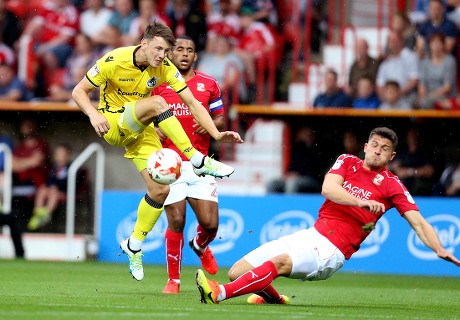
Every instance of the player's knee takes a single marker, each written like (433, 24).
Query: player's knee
(209, 227)
(176, 221)
(159, 192)
(239, 268)
(232, 273)
(158, 104)
(152, 106)
(283, 264)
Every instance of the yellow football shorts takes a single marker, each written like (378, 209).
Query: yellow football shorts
(127, 131)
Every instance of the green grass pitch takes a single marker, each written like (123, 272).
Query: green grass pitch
(32, 290)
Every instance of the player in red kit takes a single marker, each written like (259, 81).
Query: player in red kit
(358, 192)
(200, 192)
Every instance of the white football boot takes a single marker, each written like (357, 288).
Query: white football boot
(135, 261)
(213, 168)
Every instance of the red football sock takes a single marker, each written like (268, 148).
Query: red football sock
(203, 238)
(174, 243)
(270, 294)
(252, 281)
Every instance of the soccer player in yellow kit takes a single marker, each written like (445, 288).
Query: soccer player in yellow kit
(125, 115)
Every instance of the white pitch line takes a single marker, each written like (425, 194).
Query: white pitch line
(186, 312)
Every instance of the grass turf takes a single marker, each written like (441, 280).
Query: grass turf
(90, 290)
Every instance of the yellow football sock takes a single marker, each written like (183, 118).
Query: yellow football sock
(173, 129)
(148, 213)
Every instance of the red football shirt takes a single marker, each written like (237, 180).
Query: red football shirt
(206, 90)
(38, 175)
(57, 21)
(348, 226)
(256, 37)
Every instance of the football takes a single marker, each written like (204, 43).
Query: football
(164, 166)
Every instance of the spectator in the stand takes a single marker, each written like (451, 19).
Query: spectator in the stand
(306, 166)
(121, 19)
(351, 144)
(448, 104)
(333, 95)
(256, 41)
(226, 67)
(449, 183)
(264, 10)
(364, 65)
(30, 158)
(437, 22)
(48, 195)
(148, 13)
(454, 14)
(401, 65)
(401, 24)
(10, 26)
(11, 88)
(94, 18)
(391, 97)
(189, 18)
(414, 165)
(82, 58)
(366, 97)
(222, 22)
(53, 30)
(7, 219)
(7, 54)
(438, 74)
(420, 11)
(30, 171)
(4, 138)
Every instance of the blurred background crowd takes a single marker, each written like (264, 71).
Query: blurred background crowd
(46, 47)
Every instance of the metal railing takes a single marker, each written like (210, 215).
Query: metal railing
(72, 185)
(7, 178)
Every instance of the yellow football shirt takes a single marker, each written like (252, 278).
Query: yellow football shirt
(121, 80)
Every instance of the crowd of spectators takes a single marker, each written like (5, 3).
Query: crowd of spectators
(45, 48)
(416, 70)
(59, 40)
(39, 182)
(49, 44)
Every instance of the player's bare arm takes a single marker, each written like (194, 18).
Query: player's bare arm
(427, 234)
(333, 190)
(204, 119)
(80, 95)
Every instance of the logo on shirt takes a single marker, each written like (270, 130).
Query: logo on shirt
(152, 82)
(132, 94)
(200, 87)
(180, 109)
(337, 164)
(378, 179)
(109, 58)
(178, 76)
(126, 79)
(409, 197)
(166, 63)
(356, 191)
(94, 71)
